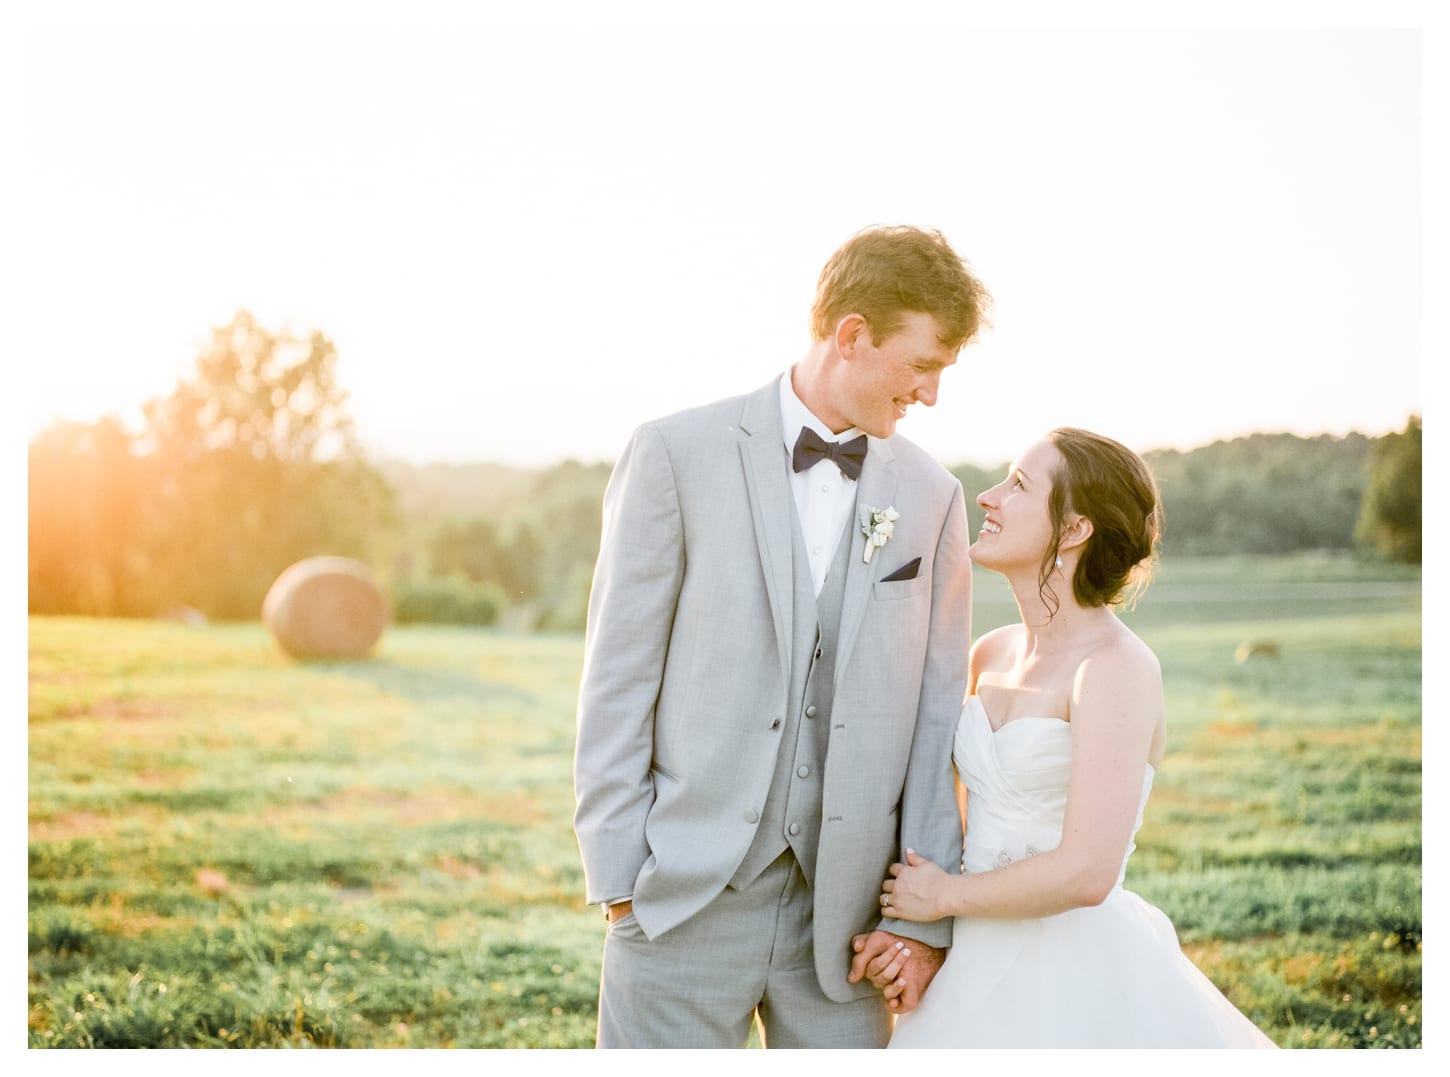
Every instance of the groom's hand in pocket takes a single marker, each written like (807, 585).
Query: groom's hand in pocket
(900, 967)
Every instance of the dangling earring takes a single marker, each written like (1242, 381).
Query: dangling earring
(1059, 560)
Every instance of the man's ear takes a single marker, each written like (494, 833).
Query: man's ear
(852, 332)
(1076, 534)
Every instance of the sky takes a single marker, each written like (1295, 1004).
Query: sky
(526, 238)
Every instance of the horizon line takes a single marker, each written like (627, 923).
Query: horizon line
(383, 458)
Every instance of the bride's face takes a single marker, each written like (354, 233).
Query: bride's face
(1018, 529)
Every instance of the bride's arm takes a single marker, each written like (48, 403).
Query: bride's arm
(1117, 707)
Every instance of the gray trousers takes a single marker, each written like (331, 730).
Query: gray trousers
(748, 953)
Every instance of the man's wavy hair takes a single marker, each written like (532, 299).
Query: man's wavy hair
(888, 271)
(1112, 486)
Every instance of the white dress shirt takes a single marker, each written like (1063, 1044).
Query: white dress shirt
(824, 498)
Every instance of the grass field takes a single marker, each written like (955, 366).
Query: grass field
(230, 849)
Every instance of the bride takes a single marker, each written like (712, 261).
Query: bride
(1055, 753)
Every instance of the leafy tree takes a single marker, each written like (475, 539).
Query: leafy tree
(269, 395)
(469, 549)
(244, 468)
(257, 468)
(564, 515)
(521, 574)
(85, 508)
(1265, 493)
(1390, 520)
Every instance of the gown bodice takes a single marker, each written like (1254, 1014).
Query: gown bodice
(1017, 780)
(1110, 974)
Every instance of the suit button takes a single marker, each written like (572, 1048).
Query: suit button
(819, 652)
(794, 828)
(803, 772)
(811, 711)
(775, 723)
(751, 815)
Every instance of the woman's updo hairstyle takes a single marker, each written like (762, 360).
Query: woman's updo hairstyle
(1112, 486)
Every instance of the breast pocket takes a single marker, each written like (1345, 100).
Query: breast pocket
(895, 590)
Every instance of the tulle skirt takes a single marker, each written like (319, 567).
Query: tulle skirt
(1110, 975)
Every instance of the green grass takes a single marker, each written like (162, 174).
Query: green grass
(394, 837)
(228, 848)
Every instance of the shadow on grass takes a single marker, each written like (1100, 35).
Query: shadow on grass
(424, 685)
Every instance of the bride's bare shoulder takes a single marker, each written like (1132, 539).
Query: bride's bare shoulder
(995, 650)
(1121, 659)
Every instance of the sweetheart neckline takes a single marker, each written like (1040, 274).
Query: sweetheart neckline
(1025, 718)
(1031, 718)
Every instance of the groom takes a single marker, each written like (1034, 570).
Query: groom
(775, 661)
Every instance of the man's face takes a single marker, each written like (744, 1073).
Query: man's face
(883, 378)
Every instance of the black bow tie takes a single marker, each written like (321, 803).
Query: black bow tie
(811, 449)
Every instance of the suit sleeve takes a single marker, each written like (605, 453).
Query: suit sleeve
(930, 823)
(631, 614)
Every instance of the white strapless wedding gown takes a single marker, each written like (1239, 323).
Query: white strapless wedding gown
(1110, 975)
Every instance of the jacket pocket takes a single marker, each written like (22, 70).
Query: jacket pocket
(894, 590)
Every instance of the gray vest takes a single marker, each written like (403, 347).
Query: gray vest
(792, 816)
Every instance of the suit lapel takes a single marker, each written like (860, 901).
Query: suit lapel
(874, 491)
(763, 457)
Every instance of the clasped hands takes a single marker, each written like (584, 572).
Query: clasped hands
(900, 967)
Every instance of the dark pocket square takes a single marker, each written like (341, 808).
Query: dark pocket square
(905, 572)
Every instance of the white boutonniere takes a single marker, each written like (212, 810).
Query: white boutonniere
(877, 525)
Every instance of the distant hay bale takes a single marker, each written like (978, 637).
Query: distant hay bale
(213, 883)
(325, 607)
(187, 615)
(1256, 648)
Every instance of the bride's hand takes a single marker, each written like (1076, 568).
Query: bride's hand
(916, 890)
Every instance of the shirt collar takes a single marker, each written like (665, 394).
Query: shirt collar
(795, 415)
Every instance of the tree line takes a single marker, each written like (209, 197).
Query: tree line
(252, 464)
(1281, 493)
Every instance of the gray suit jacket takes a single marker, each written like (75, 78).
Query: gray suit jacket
(687, 654)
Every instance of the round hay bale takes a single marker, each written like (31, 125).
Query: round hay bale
(1255, 648)
(187, 615)
(325, 607)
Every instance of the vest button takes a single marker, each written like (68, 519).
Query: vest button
(751, 815)
(794, 828)
(775, 723)
(819, 652)
(803, 772)
(811, 711)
